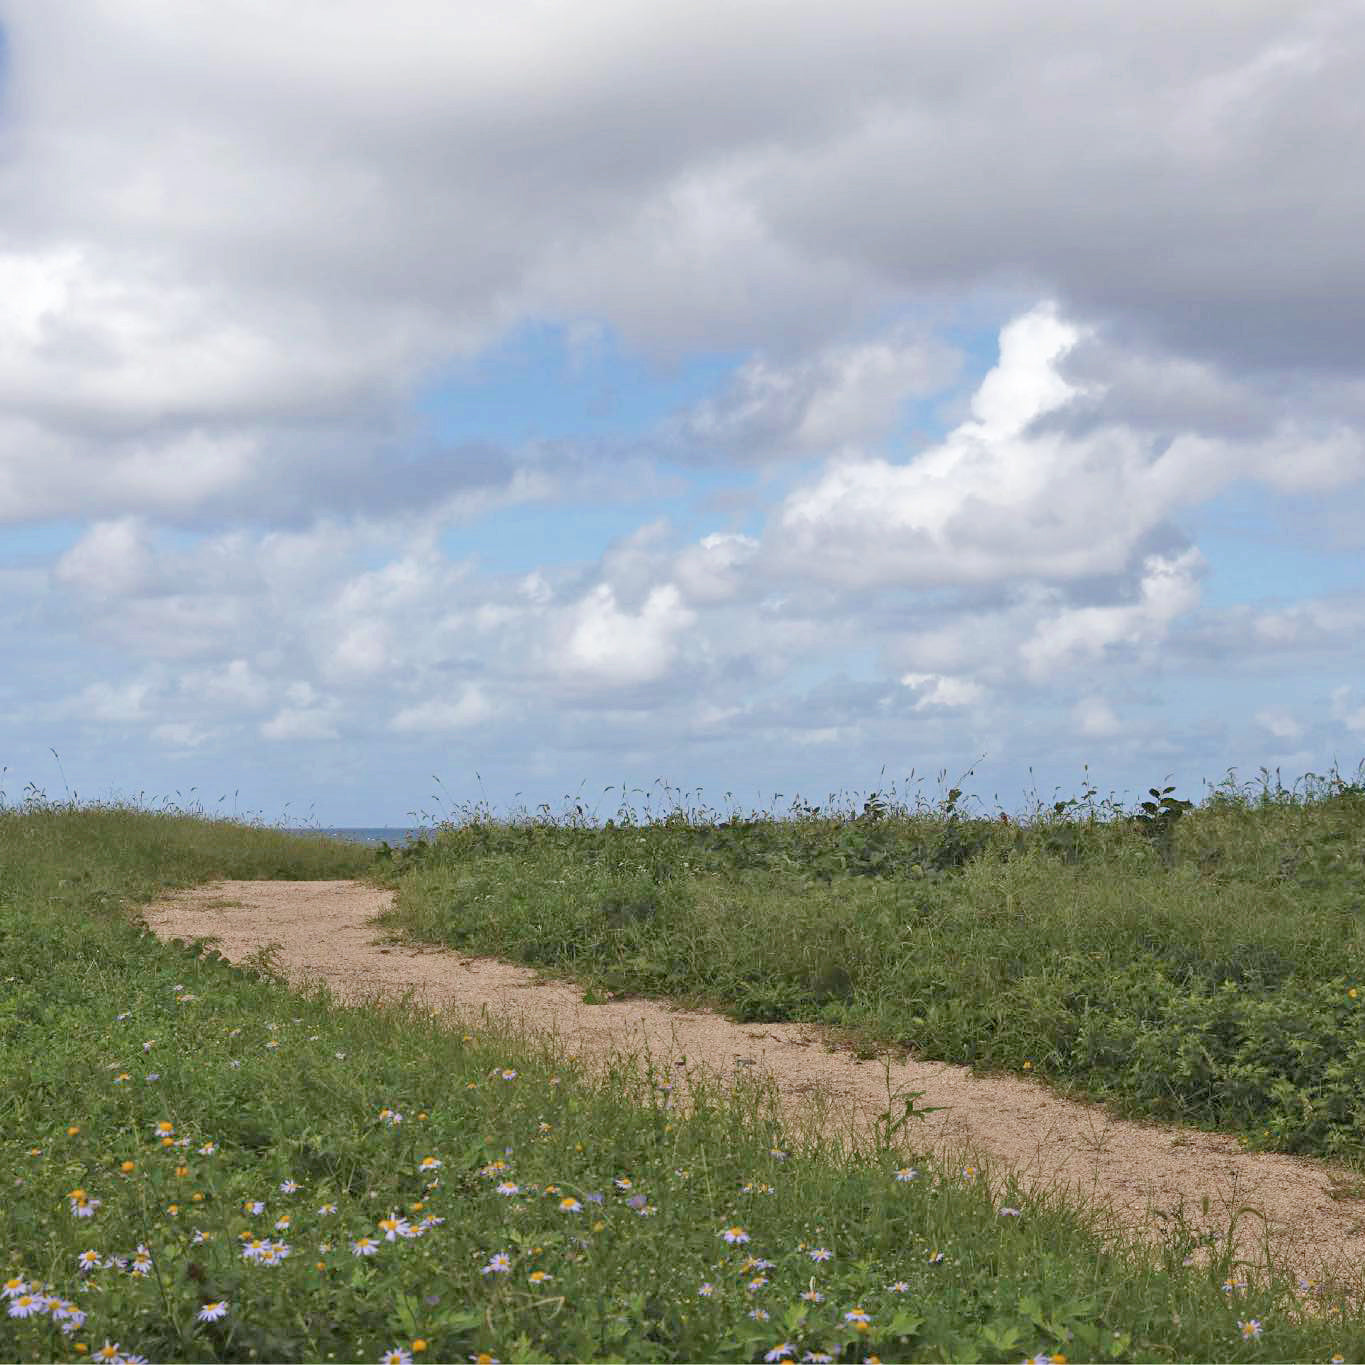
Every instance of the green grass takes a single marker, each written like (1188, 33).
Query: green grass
(177, 1092)
(1199, 964)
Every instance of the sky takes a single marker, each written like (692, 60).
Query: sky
(409, 407)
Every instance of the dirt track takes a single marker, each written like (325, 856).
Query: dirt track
(324, 931)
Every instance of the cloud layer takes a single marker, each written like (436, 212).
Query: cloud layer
(1009, 306)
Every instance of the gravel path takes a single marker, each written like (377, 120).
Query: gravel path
(324, 932)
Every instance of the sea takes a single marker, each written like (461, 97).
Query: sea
(393, 835)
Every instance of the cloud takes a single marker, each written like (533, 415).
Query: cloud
(434, 717)
(845, 395)
(943, 691)
(1093, 716)
(307, 716)
(112, 559)
(232, 321)
(599, 644)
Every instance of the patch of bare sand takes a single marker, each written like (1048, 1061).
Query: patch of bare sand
(1141, 1172)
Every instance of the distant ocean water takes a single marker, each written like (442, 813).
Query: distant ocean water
(393, 835)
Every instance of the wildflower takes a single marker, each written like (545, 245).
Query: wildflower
(539, 1276)
(198, 1238)
(164, 1128)
(499, 1264)
(12, 1287)
(142, 1261)
(706, 1290)
(812, 1295)
(391, 1116)
(1250, 1329)
(906, 1174)
(68, 1316)
(235, 1064)
(542, 1127)
(325, 1209)
(340, 1056)
(969, 1173)
(253, 1206)
(483, 1358)
(759, 1314)
(623, 1182)
(395, 1356)
(429, 1163)
(272, 1253)
(820, 1357)
(570, 1205)
(82, 1206)
(821, 1254)
(784, 1350)
(900, 1287)
(935, 1257)
(1352, 993)
(858, 1317)
(289, 1186)
(88, 1260)
(418, 1345)
(364, 1246)
(282, 1223)
(122, 1078)
(756, 1283)
(153, 1075)
(394, 1227)
(108, 1352)
(508, 1074)
(25, 1305)
(777, 1153)
(272, 1044)
(734, 1235)
(431, 1221)
(1010, 1213)
(211, 1312)
(252, 1248)
(507, 1187)
(119, 1018)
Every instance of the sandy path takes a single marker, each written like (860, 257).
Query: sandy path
(324, 932)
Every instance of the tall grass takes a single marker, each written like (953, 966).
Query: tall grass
(1192, 963)
(199, 1164)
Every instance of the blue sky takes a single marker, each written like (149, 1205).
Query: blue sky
(582, 401)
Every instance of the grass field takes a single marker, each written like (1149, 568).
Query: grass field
(199, 1164)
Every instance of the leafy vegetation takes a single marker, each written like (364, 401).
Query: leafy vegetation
(199, 1164)
(1198, 964)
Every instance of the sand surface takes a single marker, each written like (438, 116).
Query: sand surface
(1138, 1171)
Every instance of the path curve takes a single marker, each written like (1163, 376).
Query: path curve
(325, 932)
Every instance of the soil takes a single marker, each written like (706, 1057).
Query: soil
(1310, 1211)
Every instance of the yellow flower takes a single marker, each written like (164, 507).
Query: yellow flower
(182, 1171)
(419, 1345)
(75, 1128)
(128, 1167)
(1352, 993)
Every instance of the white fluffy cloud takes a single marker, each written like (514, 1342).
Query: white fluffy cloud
(229, 265)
